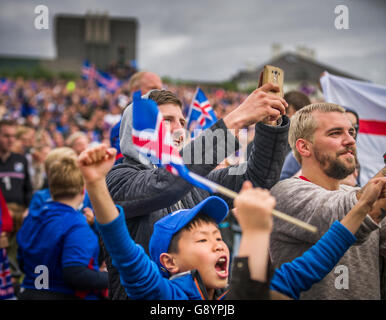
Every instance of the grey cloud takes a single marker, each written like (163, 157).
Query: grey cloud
(212, 39)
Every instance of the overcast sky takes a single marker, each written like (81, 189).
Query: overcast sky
(213, 39)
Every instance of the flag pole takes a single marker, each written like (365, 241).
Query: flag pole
(231, 194)
(191, 106)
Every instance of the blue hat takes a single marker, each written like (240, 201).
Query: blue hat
(168, 226)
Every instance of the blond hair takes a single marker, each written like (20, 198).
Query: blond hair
(303, 123)
(65, 180)
(21, 130)
(57, 154)
(73, 137)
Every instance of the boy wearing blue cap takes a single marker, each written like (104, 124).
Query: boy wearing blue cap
(191, 240)
(187, 245)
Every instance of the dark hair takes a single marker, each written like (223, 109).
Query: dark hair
(197, 220)
(297, 99)
(7, 122)
(165, 96)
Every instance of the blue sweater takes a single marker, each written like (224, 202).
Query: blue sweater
(142, 279)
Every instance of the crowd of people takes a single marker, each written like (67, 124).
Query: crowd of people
(84, 217)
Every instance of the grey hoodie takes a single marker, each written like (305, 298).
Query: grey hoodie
(125, 137)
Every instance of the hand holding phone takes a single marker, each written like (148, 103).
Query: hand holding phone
(275, 76)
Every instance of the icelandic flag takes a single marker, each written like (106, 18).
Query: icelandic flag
(153, 140)
(369, 101)
(5, 85)
(107, 81)
(89, 72)
(201, 114)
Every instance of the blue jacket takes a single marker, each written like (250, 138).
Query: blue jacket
(56, 236)
(142, 279)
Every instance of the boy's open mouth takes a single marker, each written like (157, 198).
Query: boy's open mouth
(221, 267)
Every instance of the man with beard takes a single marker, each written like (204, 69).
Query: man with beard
(322, 138)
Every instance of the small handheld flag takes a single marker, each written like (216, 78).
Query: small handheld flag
(201, 114)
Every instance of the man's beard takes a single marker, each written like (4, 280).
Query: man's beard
(335, 168)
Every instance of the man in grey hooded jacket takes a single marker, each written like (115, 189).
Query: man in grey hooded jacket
(147, 193)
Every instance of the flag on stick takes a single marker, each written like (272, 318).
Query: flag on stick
(201, 114)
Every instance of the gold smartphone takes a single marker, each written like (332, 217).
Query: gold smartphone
(273, 75)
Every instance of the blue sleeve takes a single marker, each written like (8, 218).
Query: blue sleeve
(297, 276)
(139, 275)
(290, 166)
